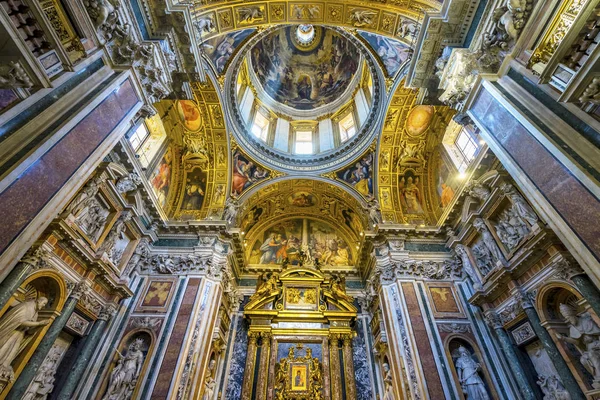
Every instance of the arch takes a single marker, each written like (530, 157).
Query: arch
(123, 349)
(549, 297)
(475, 351)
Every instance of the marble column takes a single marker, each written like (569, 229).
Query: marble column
(250, 363)
(40, 353)
(564, 373)
(334, 365)
(567, 270)
(263, 367)
(326, 376)
(510, 352)
(349, 367)
(33, 260)
(83, 358)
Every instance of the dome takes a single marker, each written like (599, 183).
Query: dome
(306, 97)
(305, 67)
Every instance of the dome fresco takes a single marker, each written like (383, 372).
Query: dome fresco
(305, 74)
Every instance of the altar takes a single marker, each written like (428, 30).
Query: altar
(300, 337)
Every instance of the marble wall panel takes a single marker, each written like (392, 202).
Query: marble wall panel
(169, 363)
(364, 386)
(434, 384)
(238, 361)
(571, 199)
(26, 196)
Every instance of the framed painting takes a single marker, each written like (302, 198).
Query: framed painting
(298, 377)
(301, 298)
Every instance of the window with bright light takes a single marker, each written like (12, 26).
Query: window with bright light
(304, 143)
(467, 148)
(260, 127)
(347, 127)
(139, 137)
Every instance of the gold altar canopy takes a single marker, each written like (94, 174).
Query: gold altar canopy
(300, 337)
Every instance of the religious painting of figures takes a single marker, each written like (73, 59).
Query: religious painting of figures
(157, 294)
(195, 186)
(411, 195)
(251, 218)
(443, 299)
(284, 241)
(161, 178)
(299, 373)
(302, 199)
(220, 48)
(447, 180)
(305, 76)
(189, 115)
(245, 173)
(300, 298)
(360, 175)
(392, 53)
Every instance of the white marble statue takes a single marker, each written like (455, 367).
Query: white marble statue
(468, 375)
(387, 380)
(488, 239)
(461, 251)
(210, 382)
(585, 335)
(552, 388)
(125, 374)
(43, 382)
(15, 327)
(520, 206)
(83, 198)
(117, 232)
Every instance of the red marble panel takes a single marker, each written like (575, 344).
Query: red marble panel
(26, 197)
(167, 368)
(434, 385)
(570, 198)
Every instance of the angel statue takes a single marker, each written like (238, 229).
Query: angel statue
(125, 374)
(388, 381)
(15, 330)
(468, 375)
(585, 335)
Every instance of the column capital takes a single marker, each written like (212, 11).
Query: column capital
(253, 337)
(37, 258)
(108, 312)
(492, 319)
(566, 270)
(80, 289)
(524, 299)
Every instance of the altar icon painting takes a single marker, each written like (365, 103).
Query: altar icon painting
(299, 373)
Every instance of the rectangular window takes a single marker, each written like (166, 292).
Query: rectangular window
(260, 128)
(139, 137)
(304, 142)
(467, 148)
(347, 128)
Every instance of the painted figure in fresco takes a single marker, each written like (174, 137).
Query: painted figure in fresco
(585, 335)
(304, 88)
(411, 195)
(125, 374)
(14, 327)
(468, 375)
(360, 175)
(194, 196)
(270, 247)
(447, 195)
(162, 179)
(241, 174)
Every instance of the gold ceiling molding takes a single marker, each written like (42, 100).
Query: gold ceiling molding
(198, 155)
(406, 176)
(389, 19)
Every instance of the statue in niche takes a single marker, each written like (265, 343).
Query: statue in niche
(461, 251)
(387, 381)
(338, 288)
(92, 220)
(585, 335)
(128, 183)
(478, 190)
(468, 375)
(125, 374)
(520, 206)
(15, 325)
(488, 240)
(43, 382)
(484, 258)
(210, 382)
(552, 388)
(117, 232)
(85, 196)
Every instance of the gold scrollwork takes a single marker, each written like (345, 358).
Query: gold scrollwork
(299, 377)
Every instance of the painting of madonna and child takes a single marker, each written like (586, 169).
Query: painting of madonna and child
(285, 241)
